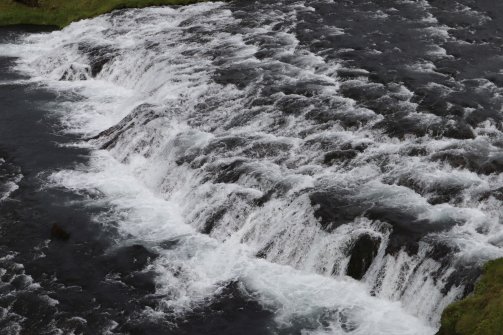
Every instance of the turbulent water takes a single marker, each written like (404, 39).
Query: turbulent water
(282, 167)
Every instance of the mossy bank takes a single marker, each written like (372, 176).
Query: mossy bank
(60, 13)
(481, 313)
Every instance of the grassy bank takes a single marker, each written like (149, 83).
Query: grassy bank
(62, 12)
(481, 313)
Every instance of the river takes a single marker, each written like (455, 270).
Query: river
(268, 167)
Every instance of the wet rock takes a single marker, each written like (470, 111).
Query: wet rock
(473, 161)
(406, 229)
(496, 193)
(58, 232)
(336, 208)
(187, 158)
(143, 113)
(265, 198)
(213, 220)
(262, 253)
(441, 251)
(445, 194)
(293, 104)
(224, 144)
(76, 72)
(229, 172)
(435, 193)
(238, 74)
(338, 156)
(347, 120)
(460, 130)
(360, 147)
(492, 166)
(363, 92)
(416, 151)
(266, 149)
(362, 253)
(400, 124)
(98, 56)
(170, 244)
(456, 160)
(333, 209)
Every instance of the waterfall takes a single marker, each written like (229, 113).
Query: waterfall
(243, 150)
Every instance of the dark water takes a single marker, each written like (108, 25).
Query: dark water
(243, 160)
(36, 268)
(85, 284)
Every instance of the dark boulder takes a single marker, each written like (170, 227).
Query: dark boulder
(496, 193)
(406, 229)
(228, 172)
(240, 75)
(474, 160)
(333, 208)
(213, 220)
(75, 73)
(416, 151)
(459, 130)
(339, 156)
(143, 113)
(98, 56)
(363, 252)
(59, 233)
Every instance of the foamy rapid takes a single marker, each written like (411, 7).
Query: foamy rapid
(10, 176)
(242, 151)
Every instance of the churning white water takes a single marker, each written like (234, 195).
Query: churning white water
(216, 130)
(10, 176)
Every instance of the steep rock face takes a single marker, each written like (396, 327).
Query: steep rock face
(482, 312)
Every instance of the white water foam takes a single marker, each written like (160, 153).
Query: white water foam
(10, 176)
(160, 172)
(199, 265)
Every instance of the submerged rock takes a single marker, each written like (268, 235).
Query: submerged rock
(339, 156)
(335, 208)
(76, 72)
(363, 253)
(59, 233)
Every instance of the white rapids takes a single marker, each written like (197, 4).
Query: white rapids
(10, 176)
(182, 156)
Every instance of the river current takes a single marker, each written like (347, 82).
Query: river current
(251, 167)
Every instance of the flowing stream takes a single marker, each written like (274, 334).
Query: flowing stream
(275, 167)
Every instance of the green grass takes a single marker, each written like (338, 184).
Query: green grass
(62, 12)
(481, 313)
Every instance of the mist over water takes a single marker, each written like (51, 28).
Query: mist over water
(291, 167)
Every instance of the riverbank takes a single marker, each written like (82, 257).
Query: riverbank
(480, 313)
(60, 13)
